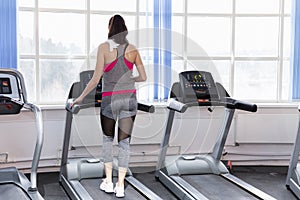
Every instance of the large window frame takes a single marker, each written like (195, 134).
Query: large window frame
(89, 56)
(179, 62)
(283, 60)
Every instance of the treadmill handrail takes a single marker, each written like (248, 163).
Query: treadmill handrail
(226, 102)
(77, 107)
(240, 105)
(173, 104)
(38, 145)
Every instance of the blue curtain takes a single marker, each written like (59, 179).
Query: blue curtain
(295, 58)
(167, 55)
(162, 46)
(156, 52)
(8, 34)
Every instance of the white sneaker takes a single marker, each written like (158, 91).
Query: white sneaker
(119, 191)
(107, 187)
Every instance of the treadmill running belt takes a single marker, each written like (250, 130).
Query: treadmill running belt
(148, 179)
(216, 187)
(11, 191)
(92, 187)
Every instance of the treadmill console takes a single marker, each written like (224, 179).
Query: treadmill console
(5, 86)
(197, 85)
(9, 95)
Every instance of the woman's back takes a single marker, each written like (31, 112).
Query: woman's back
(117, 74)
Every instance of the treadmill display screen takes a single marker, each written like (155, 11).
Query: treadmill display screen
(198, 84)
(5, 87)
(196, 78)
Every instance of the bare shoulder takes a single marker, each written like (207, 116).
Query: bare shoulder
(103, 46)
(131, 49)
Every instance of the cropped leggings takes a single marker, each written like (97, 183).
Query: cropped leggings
(125, 126)
(121, 108)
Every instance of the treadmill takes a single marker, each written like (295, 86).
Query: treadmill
(293, 176)
(202, 176)
(80, 177)
(13, 97)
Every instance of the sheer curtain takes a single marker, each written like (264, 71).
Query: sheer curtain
(8, 34)
(162, 48)
(295, 57)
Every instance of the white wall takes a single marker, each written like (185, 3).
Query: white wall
(265, 137)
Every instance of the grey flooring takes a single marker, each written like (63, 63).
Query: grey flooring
(269, 179)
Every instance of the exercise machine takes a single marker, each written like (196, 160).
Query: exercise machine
(293, 176)
(202, 176)
(13, 97)
(80, 177)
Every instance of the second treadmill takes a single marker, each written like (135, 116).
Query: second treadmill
(203, 176)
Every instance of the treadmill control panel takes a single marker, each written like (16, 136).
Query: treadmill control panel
(9, 95)
(5, 86)
(198, 85)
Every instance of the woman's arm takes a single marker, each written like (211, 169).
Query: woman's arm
(140, 68)
(96, 76)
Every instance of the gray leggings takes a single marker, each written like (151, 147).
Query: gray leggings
(124, 132)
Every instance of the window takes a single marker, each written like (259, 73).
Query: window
(244, 43)
(59, 39)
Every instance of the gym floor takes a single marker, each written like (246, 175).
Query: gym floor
(269, 179)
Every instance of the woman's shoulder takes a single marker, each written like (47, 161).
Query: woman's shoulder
(131, 48)
(104, 45)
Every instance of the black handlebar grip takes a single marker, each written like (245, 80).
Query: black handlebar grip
(75, 108)
(245, 106)
(146, 108)
(68, 106)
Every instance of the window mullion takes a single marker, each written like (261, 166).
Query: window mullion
(88, 35)
(232, 50)
(185, 21)
(280, 49)
(37, 52)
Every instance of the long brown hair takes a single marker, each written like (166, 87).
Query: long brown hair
(118, 30)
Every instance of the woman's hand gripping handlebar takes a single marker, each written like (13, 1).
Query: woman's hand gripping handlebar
(75, 107)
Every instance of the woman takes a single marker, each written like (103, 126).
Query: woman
(115, 61)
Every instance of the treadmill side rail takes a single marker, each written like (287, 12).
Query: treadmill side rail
(84, 195)
(142, 189)
(69, 188)
(189, 188)
(174, 187)
(294, 187)
(249, 188)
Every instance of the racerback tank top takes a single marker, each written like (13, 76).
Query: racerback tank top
(117, 75)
